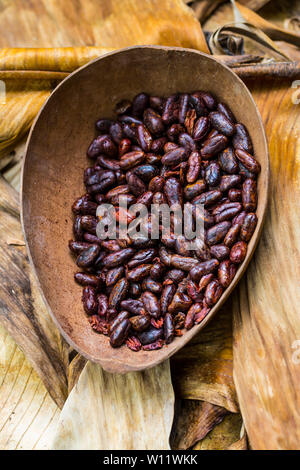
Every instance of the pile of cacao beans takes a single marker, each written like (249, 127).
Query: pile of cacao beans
(184, 148)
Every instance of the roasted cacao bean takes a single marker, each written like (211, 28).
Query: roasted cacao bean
(120, 333)
(183, 149)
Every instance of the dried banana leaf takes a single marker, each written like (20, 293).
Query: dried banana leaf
(261, 42)
(203, 370)
(29, 76)
(80, 26)
(223, 435)
(236, 60)
(23, 313)
(274, 32)
(167, 22)
(103, 23)
(111, 23)
(58, 59)
(113, 411)
(193, 421)
(23, 101)
(255, 4)
(271, 70)
(241, 444)
(28, 415)
(11, 171)
(275, 12)
(222, 15)
(292, 24)
(204, 8)
(266, 307)
(75, 369)
(279, 11)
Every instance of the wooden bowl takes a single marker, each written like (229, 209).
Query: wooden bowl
(56, 157)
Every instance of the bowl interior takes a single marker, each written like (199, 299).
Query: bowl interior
(56, 158)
